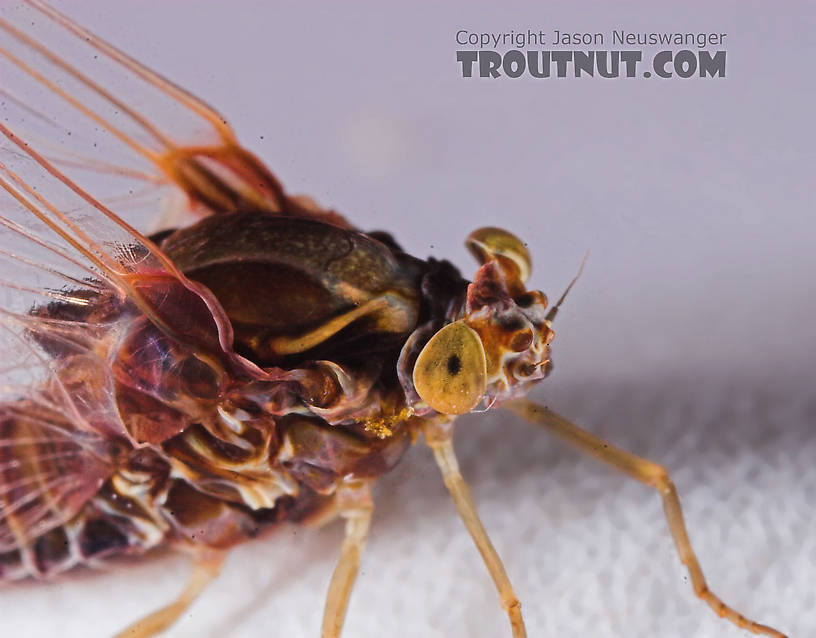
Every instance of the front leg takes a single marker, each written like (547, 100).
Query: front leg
(439, 438)
(649, 474)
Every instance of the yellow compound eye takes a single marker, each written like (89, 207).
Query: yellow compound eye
(450, 374)
(489, 243)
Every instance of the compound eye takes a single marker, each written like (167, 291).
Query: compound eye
(450, 374)
(493, 243)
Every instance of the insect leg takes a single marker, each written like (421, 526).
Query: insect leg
(205, 569)
(649, 474)
(355, 506)
(439, 438)
(384, 306)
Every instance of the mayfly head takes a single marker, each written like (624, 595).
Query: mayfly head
(499, 343)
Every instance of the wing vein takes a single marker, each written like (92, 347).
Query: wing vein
(72, 101)
(173, 90)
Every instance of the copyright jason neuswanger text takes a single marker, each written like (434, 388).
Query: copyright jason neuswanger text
(515, 54)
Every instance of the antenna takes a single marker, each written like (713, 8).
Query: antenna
(554, 310)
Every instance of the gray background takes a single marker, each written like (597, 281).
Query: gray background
(689, 339)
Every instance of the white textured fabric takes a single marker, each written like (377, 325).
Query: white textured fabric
(689, 339)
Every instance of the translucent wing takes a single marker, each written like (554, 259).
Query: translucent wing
(47, 471)
(73, 276)
(102, 117)
(61, 250)
(142, 145)
(91, 144)
(90, 131)
(77, 155)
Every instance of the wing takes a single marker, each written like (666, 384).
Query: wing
(72, 278)
(76, 158)
(92, 142)
(139, 143)
(47, 471)
(93, 138)
(97, 113)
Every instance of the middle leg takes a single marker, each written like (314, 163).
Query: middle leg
(355, 506)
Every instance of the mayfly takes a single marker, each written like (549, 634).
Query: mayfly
(257, 360)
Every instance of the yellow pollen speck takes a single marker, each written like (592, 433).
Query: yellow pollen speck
(381, 426)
